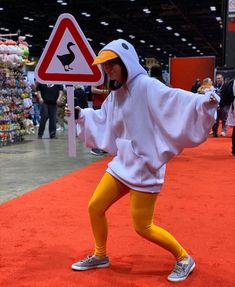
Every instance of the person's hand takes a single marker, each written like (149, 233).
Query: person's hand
(59, 103)
(212, 99)
(67, 111)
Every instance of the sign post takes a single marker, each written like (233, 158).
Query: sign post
(71, 122)
(67, 59)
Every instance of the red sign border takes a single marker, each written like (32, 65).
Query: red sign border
(55, 77)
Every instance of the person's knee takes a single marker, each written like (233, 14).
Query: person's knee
(141, 227)
(94, 208)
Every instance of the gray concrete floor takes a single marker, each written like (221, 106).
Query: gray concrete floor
(28, 165)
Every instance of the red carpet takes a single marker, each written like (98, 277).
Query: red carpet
(43, 232)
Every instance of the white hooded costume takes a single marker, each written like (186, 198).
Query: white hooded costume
(144, 124)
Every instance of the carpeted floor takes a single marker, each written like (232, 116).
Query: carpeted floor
(44, 231)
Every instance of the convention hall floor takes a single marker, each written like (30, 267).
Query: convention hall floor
(34, 162)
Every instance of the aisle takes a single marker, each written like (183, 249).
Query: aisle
(44, 231)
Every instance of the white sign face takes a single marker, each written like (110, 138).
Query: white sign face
(68, 57)
(231, 6)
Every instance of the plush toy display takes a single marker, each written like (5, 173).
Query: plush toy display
(14, 54)
(15, 106)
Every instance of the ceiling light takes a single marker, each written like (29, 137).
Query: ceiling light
(151, 46)
(26, 18)
(31, 19)
(158, 49)
(59, 1)
(132, 36)
(102, 43)
(51, 26)
(89, 39)
(194, 48)
(159, 20)
(218, 18)
(64, 3)
(213, 8)
(146, 10)
(86, 14)
(201, 53)
(177, 34)
(183, 39)
(1, 8)
(104, 23)
(142, 41)
(168, 28)
(189, 44)
(119, 30)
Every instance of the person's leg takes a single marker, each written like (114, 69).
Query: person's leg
(52, 120)
(108, 191)
(233, 141)
(224, 116)
(142, 209)
(216, 124)
(44, 118)
(37, 113)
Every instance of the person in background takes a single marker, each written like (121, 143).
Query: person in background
(49, 96)
(143, 123)
(36, 106)
(156, 72)
(80, 97)
(228, 98)
(61, 121)
(195, 86)
(222, 112)
(206, 86)
(99, 94)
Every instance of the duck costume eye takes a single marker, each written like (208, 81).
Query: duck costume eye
(124, 45)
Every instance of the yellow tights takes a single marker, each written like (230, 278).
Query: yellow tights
(109, 191)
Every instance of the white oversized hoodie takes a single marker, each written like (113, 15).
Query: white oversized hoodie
(144, 124)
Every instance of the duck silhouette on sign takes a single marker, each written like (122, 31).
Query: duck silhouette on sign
(67, 59)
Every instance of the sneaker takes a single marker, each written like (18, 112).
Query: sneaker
(91, 262)
(223, 134)
(96, 151)
(182, 270)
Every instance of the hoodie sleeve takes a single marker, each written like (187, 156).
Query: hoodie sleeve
(182, 119)
(93, 128)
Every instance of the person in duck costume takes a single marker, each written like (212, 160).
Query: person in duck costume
(143, 123)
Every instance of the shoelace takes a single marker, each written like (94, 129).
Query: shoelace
(88, 259)
(179, 268)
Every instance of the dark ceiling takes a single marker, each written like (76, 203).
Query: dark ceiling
(193, 20)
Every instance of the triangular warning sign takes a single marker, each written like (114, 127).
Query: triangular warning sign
(68, 56)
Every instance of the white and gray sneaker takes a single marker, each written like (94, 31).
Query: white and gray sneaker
(182, 270)
(91, 262)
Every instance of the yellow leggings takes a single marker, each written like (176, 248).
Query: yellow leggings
(109, 191)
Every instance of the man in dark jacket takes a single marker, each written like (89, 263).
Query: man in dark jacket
(49, 96)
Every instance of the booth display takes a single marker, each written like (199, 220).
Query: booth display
(15, 92)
